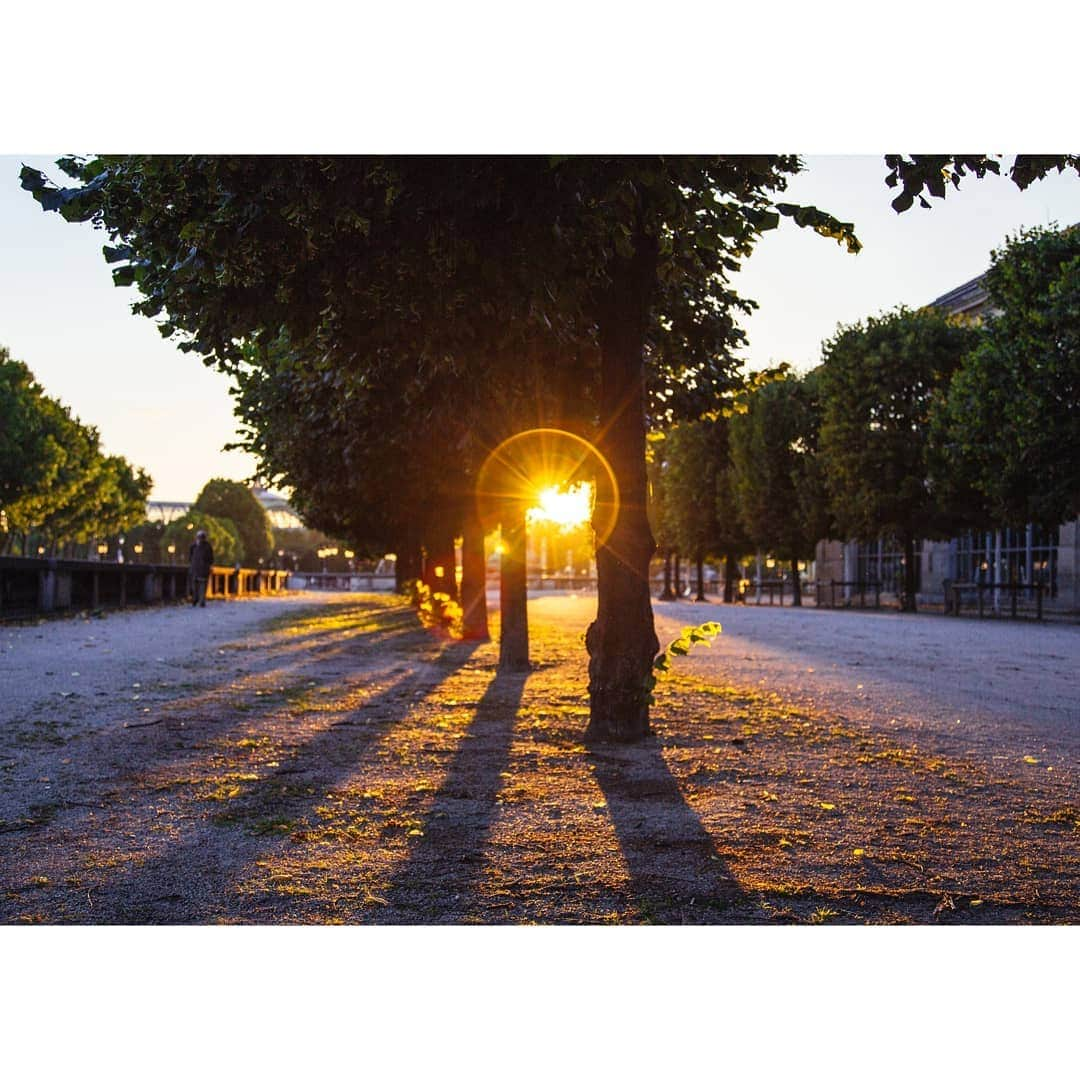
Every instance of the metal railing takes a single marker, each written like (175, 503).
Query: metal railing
(832, 594)
(30, 587)
(979, 591)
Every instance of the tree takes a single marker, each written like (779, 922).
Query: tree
(234, 501)
(656, 466)
(625, 259)
(775, 476)
(1012, 420)
(54, 480)
(880, 382)
(693, 461)
(30, 453)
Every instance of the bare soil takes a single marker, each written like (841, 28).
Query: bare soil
(337, 763)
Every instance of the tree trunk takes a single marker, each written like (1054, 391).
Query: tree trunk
(797, 583)
(678, 578)
(441, 564)
(700, 598)
(622, 642)
(729, 579)
(513, 595)
(474, 623)
(907, 601)
(667, 594)
(407, 565)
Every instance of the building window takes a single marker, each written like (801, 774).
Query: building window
(882, 562)
(1025, 556)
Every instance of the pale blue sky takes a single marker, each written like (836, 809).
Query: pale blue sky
(163, 410)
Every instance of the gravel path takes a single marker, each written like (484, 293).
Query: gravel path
(988, 686)
(85, 669)
(315, 759)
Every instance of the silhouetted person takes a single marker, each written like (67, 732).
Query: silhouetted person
(202, 558)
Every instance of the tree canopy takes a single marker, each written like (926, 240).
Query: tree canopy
(880, 381)
(1013, 412)
(54, 478)
(233, 501)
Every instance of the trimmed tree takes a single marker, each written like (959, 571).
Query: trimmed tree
(880, 382)
(774, 466)
(1012, 422)
(235, 502)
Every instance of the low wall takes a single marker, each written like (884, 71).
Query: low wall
(39, 586)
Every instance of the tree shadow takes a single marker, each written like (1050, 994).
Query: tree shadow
(447, 860)
(188, 881)
(676, 873)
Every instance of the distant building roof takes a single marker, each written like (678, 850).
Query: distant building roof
(281, 514)
(971, 298)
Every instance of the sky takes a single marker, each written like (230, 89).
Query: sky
(164, 411)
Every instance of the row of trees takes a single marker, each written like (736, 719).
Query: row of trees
(389, 320)
(58, 490)
(916, 424)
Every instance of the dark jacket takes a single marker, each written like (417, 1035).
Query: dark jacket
(202, 558)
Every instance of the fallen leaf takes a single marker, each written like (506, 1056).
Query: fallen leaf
(828, 806)
(1031, 760)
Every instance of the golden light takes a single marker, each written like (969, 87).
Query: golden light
(102, 549)
(568, 509)
(548, 475)
(349, 554)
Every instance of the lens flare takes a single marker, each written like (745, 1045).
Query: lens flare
(552, 475)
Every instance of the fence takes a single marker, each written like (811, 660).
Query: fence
(342, 582)
(30, 587)
(826, 595)
(956, 591)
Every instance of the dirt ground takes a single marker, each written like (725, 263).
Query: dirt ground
(330, 761)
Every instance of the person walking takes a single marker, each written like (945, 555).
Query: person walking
(201, 558)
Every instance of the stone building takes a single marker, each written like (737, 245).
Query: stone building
(1030, 555)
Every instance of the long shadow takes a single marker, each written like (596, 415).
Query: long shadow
(183, 718)
(191, 886)
(676, 873)
(449, 857)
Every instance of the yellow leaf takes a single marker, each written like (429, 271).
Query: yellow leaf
(1031, 760)
(859, 851)
(416, 832)
(784, 842)
(975, 903)
(828, 806)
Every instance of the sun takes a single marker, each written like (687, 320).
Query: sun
(567, 508)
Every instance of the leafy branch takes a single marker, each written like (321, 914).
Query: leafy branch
(681, 646)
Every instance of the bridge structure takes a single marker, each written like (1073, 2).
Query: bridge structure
(280, 513)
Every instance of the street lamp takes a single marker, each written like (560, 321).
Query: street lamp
(172, 551)
(102, 550)
(138, 549)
